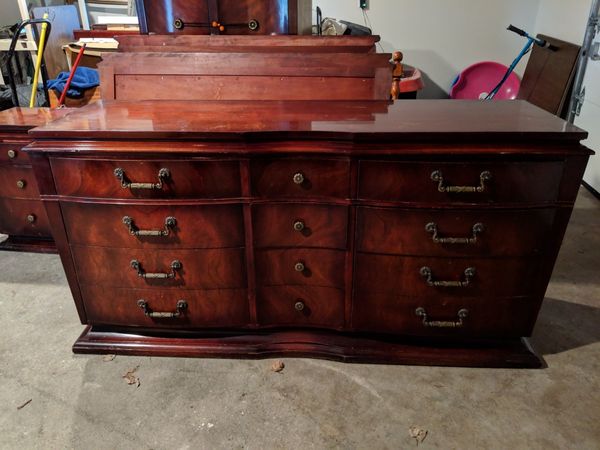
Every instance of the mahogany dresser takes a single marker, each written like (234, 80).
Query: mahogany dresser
(22, 215)
(420, 232)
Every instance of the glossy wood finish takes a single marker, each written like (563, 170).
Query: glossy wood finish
(24, 218)
(18, 182)
(365, 197)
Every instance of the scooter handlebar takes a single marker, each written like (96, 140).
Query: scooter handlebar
(517, 30)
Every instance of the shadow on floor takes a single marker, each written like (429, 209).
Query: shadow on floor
(563, 326)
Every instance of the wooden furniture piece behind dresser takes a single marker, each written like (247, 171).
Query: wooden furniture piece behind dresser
(419, 232)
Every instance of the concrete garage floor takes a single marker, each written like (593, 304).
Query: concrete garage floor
(83, 402)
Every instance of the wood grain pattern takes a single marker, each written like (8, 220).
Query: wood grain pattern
(18, 182)
(14, 218)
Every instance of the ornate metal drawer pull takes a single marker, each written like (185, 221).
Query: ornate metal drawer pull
(31, 218)
(432, 228)
(21, 184)
(298, 178)
(299, 266)
(12, 154)
(428, 275)
(137, 266)
(179, 309)
(439, 179)
(299, 305)
(299, 225)
(462, 314)
(170, 223)
(163, 174)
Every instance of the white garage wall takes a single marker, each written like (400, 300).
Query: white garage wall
(442, 37)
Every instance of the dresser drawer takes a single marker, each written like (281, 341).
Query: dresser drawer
(11, 152)
(454, 233)
(203, 308)
(444, 316)
(300, 266)
(18, 182)
(294, 177)
(297, 225)
(24, 218)
(430, 182)
(128, 226)
(302, 306)
(424, 276)
(151, 178)
(198, 269)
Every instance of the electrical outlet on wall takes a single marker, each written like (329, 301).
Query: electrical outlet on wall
(364, 4)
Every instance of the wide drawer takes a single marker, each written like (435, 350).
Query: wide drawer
(295, 177)
(301, 306)
(187, 269)
(203, 308)
(441, 315)
(451, 232)
(424, 276)
(24, 218)
(300, 267)
(150, 178)
(471, 182)
(11, 152)
(298, 225)
(18, 182)
(154, 226)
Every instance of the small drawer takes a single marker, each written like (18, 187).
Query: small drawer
(301, 306)
(277, 178)
(161, 269)
(146, 179)
(154, 226)
(438, 315)
(154, 308)
(13, 153)
(446, 183)
(18, 182)
(297, 225)
(24, 218)
(300, 266)
(454, 233)
(455, 277)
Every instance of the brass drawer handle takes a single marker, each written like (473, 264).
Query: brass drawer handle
(439, 179)
(428, 275)
(299, 267)
(21, 184)
(12, 154)
(299, 178)
(299, 305)
(432, 228)
(31, 218)
(137, 266)
(163, 174)
(462, 314)
(179, 309)
(299, 225)
(170, 223)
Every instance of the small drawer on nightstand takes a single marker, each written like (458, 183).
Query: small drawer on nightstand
(294, 177)
(154, 308)
(470, 182)
(12, 153)
(302, 306)
(146, 179)
(431, 232)
(24, 218)
(300, 266)
(161, 269)
(154, 226)
(18, 182)
(299, 225)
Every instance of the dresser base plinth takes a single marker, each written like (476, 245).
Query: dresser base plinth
(514, 353)
(28, 244)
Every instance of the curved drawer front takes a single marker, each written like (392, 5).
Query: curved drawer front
(454, 233)
(300, 266)
(24, 218)
(212, 308)
(297, 225)
(198, 269)
(149, 178)
(445, 182)
(441, 315)
(137, 226)
(424, 276)
(301, 306)
(18, 182)
(295, 177)
(11, 152)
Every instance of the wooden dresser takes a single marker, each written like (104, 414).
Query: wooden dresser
(22, 215)
(422, 232)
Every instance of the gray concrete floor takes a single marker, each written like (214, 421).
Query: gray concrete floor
(83, 402)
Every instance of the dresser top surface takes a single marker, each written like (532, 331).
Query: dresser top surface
(23, 119)
(279, 120)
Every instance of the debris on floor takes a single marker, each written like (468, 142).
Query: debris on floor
(108, 358)
(418, 434)
(278, 366)
(131, 378)
(25, 404)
